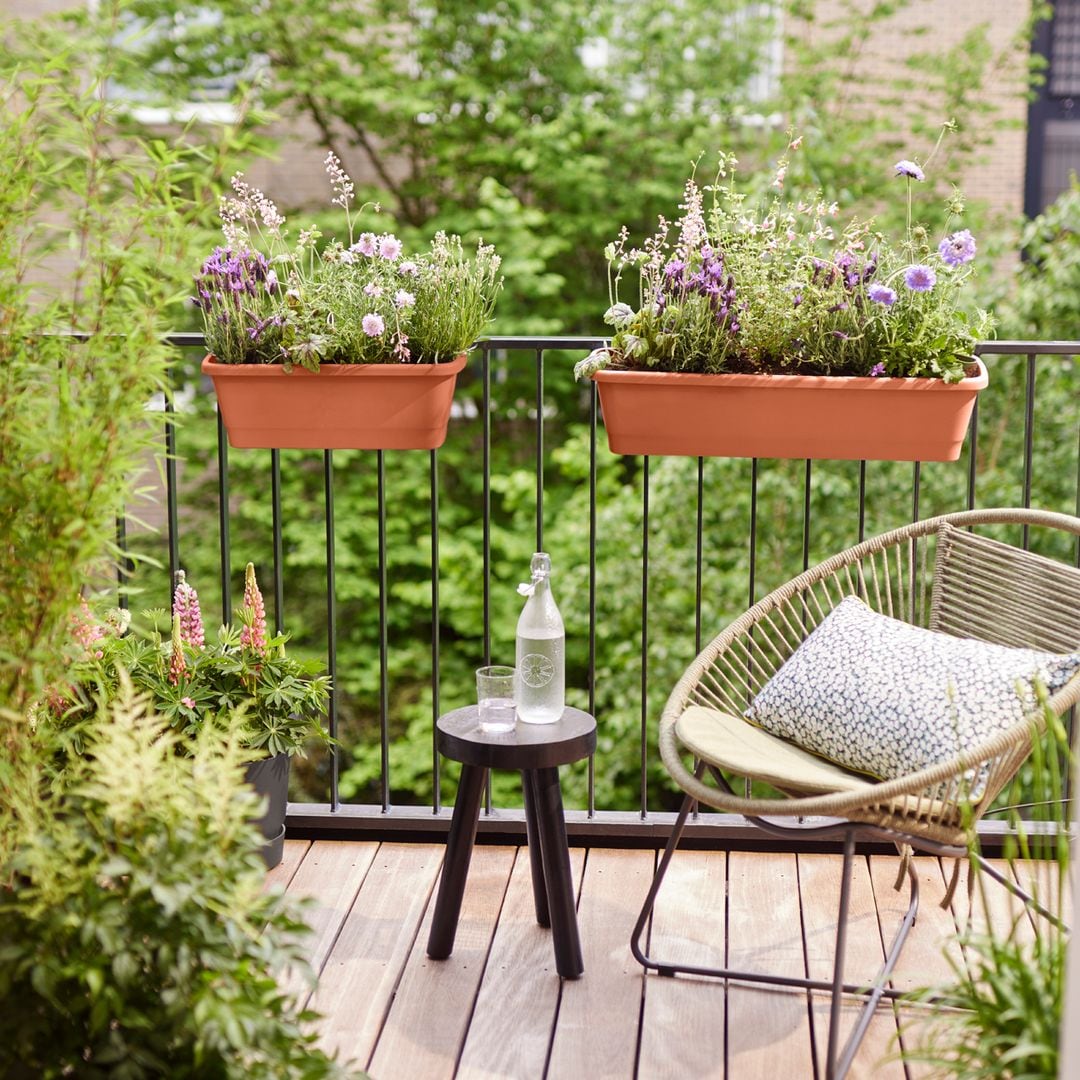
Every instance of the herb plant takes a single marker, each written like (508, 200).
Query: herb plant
(779, 286)
(361, 302)
(243, 679)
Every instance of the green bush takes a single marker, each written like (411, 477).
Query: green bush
(136, 940)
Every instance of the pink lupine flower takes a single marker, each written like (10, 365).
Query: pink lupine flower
(186, 608)
(177, 661)
(188, 701)
(86, 630)
(254, 632)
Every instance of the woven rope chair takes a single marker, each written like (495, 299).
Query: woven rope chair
(941, 574)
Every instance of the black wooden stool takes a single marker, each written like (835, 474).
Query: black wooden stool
(537, 750)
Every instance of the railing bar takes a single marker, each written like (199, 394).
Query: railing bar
(436, 761)
(973, 460)
(644, 638)
(486, 408)
(123, 563)
(279, 561)
(753, 529)
(592, 585)
(700, 547)
(806, 515)
(223, 521)
(1077, 540)
(171, 494)
(331, 625)
(1029, 436)
(862, 501)
(916, 484)
(539, 449)
(384, 680)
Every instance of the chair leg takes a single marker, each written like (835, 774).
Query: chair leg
(837, 1065)
(1022, 895)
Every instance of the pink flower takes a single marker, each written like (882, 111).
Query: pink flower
(177, 662)
(389, 247)
(409, 267)
(403, 299)
(189, 702)
(186, 608)
(372, 324)
(373, 290)
(365, 245)
(85, 629)
(254, 632)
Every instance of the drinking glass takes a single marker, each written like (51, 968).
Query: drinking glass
(495, 693)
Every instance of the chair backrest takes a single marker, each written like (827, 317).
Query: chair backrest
(985, 589)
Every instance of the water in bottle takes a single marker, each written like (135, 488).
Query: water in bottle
(541, 649)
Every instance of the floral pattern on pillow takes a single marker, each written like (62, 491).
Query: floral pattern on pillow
(881, 697)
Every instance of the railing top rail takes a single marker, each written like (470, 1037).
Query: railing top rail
(194, 339)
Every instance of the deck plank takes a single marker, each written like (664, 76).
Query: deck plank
(291, 857)
(514, 1018)
(819, 886)
(418, 1039)
(688, 927)
(767, 1030)
(328, 878)
(362, 971)
(597, 1027)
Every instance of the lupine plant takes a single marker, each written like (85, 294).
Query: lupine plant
(360, 301)
(782, 287)
(243, 677)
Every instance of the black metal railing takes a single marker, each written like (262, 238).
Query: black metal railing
(591, 823)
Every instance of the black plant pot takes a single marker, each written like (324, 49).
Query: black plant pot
(270, 779)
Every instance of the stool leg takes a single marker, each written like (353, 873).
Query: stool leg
(560, 890)
(459, 847)
(536, 858)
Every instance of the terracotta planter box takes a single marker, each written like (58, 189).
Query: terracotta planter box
(342, 406)
(787, 416)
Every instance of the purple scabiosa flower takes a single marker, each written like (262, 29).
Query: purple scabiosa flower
(365, 245)
(958, 248)
(881, 294)
(409, 267)
(909, 169)
(371, 289)
(186, 609)
(920, 278)
(403, 299)
(389, 247)
(372, 324)
(876, 370)
(254, 613)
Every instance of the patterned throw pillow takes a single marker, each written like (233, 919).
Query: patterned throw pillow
(885, 698)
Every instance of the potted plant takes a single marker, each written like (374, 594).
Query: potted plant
(777, 332)
(244, 676)
(346, 345)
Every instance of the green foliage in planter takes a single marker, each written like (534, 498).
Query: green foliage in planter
(1001, 1014)
(135, 938)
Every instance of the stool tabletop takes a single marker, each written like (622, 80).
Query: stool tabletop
(528, 746)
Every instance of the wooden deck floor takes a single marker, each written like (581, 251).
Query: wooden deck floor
(496, 1008)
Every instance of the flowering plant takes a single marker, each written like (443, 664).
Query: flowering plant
(244, 676)
(784, 289)
(265, 301)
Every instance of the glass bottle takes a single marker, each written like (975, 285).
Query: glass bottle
(541, 649)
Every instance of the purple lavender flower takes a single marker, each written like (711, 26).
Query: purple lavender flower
(675, 271)
(958, 248)
(877, 369)
(881, 294)
(909, 169)
(372, 324)
(920, 278)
